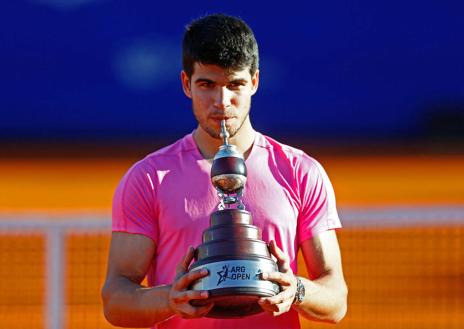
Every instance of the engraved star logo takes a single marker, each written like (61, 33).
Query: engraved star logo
(223, 274)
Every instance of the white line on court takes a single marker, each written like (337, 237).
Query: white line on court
(393, 216)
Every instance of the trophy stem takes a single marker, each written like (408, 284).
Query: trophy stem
(224, 133)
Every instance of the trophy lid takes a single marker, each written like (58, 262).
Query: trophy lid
(228, 150)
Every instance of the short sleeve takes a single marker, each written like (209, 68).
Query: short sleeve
(318, 212)
(133, 204)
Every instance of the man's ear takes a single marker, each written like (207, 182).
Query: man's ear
(185, 80)
(255, 82)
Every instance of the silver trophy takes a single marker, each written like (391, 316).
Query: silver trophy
(232, 249)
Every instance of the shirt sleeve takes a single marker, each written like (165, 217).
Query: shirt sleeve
(318, 212)
(133, 204)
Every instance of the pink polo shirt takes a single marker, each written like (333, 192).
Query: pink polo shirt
(168, 197)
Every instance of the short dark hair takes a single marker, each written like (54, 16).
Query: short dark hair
(221, 40)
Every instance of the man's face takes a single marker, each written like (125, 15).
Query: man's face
(218, 94)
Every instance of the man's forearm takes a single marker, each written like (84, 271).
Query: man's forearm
(128, 304)
(325, 300)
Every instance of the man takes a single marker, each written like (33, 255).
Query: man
(163, 203)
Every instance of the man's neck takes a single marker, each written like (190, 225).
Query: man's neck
(209, 146)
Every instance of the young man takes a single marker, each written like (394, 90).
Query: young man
(162, 204)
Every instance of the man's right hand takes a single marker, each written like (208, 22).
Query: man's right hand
(180, 295)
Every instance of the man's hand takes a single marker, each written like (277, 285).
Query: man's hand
(180, 296)
(282, 302)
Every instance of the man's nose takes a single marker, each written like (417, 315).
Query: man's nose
(222, 98)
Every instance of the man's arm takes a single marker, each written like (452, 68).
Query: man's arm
(325, 292)
(129, 304)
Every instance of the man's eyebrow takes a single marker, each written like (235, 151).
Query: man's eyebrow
(238, 80)
(203, 80)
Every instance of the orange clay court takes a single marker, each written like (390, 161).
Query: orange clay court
(399, 277)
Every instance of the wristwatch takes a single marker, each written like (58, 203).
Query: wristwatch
(300, 292)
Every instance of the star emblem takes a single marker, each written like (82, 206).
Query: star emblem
(223, 275)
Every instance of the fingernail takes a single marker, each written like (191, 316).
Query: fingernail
(204, 294)
(204, 271)
(264, 276)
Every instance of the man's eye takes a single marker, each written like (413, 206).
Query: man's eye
(235, 85)
(206, 84)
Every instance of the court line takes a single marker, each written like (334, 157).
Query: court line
(402, 216)
(356, 217)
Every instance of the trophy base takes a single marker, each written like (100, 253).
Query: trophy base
(233, 302)
(235, 257)
(234, 286)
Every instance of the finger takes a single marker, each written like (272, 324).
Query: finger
(282, 259)
(203, 310)
(188, 295)
(276, 309)
(271, 309)
(182, 267)
(191, 312)
(283, 297)
(185, 280)
(283, 308)
(278, 277)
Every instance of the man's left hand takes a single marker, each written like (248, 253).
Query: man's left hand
(282, 302)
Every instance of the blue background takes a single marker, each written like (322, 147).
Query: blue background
(103, 69)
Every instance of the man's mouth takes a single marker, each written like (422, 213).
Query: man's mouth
(220, 118)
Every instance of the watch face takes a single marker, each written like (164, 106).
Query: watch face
(300, 292)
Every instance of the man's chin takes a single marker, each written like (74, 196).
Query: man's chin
(217, 134)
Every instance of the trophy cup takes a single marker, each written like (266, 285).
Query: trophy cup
(232, 249)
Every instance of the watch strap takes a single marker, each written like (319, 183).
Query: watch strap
(300, 292)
